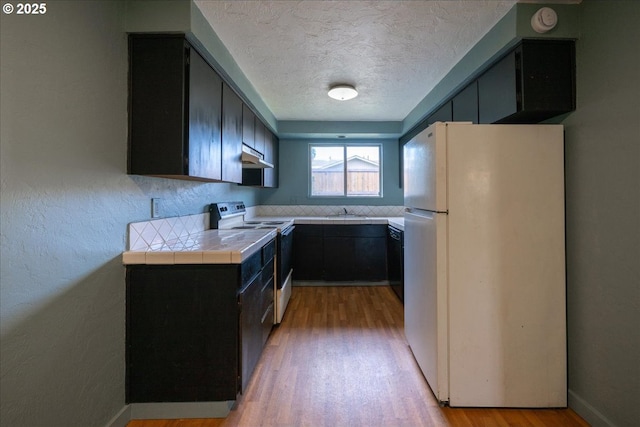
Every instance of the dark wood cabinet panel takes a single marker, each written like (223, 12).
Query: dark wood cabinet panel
(175, 104)
(338, 259)
(268, 177)
(442, 114)
(497, 92)
(259, 136)
(231, 135)
(532, 83)
(194, 333)
(271, 147)
(465, 104)
(307, 252)
(371, 258)
(157, 131)
(205, 119)
(340, 252)
(256, 320)
(248, 126)
(182, 333)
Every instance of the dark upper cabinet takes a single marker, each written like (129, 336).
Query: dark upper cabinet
(497, 91)
(205, 120)
(231, 135)
(259, 136)
(268, 177)
(465, 104)
(175, 104)
(248, 126)
(532, 83)
(271, 146)
(442, 114)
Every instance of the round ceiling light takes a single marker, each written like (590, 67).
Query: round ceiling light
(343, 92)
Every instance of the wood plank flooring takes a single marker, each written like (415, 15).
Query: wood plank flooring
(340, 358)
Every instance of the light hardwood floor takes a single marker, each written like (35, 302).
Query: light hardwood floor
(340, 358)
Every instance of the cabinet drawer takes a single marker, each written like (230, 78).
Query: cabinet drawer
(268, 251)
(249, 268)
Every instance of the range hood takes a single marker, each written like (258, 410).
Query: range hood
(252, 159)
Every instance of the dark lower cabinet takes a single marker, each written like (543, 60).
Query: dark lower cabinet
(256, 320)
(308, 253)
(371, 258)
(340, 252)
(182, 333)
(338, 256)
(194, 333)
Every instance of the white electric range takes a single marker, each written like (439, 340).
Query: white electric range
(230, 215)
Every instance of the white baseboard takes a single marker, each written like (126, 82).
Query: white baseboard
(121, 418)
(324, 283)
(171, 410)
(588, 412)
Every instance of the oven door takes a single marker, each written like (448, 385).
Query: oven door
(285, 255)
(284, 265)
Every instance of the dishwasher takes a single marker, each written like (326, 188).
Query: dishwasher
(395, 260)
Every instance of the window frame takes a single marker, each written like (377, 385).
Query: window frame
(345, 146)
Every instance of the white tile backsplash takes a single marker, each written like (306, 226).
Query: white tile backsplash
(324, 210)
(156, 233)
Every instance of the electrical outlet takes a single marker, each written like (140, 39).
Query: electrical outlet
(156, 209)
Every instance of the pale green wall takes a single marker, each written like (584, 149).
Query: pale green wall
(65, 204)
(294, 173)
(603, 217)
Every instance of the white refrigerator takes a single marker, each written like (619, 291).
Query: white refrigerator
(485, 263)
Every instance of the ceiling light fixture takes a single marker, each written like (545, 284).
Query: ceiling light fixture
(343, 92)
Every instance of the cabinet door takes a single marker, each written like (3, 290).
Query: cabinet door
(248, 126)
(250, 329)
(205, 117)
(340, 257)
(548, 77)
(231, 135)
(181, 333)
(442, 114)
(497, 92)
(465, 104)
(307, 252)
(259, 136)
(270, 178)
(157, 67)
(371, 258)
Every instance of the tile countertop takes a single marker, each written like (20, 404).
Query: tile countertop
(231, 246)
(207, 247)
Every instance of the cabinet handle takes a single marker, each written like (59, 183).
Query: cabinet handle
(266, 313)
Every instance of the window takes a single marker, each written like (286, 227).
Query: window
(345, 170)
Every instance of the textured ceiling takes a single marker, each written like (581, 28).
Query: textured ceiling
(393, 52)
